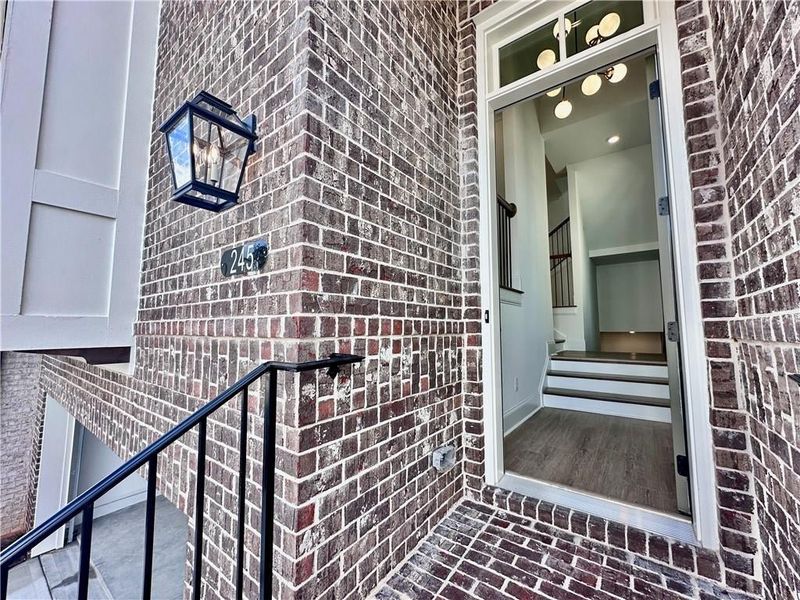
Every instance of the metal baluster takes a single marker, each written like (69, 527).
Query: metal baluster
(199, 506)
(268, 488)
(149, 527)
(86, 551)
(3, 581)
(242, 492)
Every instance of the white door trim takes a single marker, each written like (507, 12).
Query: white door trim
(661, 32)
(55, 467)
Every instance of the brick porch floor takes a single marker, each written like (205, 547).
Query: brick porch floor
(481, 552)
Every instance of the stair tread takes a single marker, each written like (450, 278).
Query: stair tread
(610, 377)
(606, 397)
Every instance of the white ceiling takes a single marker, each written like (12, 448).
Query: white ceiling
(582, 140)
(617, 109)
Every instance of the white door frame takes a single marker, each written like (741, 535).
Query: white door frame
(55, 467)
(495, 26)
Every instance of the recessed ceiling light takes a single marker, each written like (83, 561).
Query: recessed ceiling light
(554, 93)
(613, 139)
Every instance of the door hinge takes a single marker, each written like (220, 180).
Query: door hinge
(486, 316)
(663, 206)
(673, 333)
(655, 89)
(682, 465)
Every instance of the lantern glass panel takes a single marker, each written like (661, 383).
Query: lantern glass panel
(219, 154)
(178, 140)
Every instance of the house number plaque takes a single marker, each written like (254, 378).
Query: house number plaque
(244, 259)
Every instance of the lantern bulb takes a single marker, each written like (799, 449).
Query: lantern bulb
(618, 73)
(591, 85)
(554, 93)
(213, 154)
(609, 24)
(199, 154)
(546, 58)
(563, 109)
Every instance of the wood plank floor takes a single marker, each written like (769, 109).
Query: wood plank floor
(616, 457)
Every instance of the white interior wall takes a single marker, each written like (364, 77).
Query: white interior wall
(627, 297)
(526, 320)
(618, 193)
(98, 461)
(557, 210)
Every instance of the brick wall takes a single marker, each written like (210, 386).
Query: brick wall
(756, 49)
(21, 415)
(383, 244)
(755, 432)
(355, 185)
(365, 186)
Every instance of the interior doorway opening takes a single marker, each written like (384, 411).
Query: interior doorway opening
(591, 371)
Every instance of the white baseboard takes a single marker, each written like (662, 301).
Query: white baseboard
(660, 414)
(518, 415)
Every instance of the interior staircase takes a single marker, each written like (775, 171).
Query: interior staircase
(615, 386)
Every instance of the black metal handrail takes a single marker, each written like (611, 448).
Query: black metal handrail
(562, 288)
(84, 504)
(506, 212)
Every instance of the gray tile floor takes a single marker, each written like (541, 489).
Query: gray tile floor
(117, 542)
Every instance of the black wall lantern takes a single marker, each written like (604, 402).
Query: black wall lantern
(208, 149)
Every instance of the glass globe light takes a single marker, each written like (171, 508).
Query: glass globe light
(591, 85)
(547, 58)
(593, 34)
(563, 109)
(609, 24)
(557, 29)
(618, 73)
(554, 93)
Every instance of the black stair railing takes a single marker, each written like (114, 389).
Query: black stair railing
(561, 284)
(84, 504)
(505, 212)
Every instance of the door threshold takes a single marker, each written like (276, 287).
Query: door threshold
(674, 526)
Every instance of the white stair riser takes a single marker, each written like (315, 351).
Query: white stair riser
(609, 368)
(614, 409)
(609, 386)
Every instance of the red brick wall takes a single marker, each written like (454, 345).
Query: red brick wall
(355, 187)
(21, 415)
(365, 186)
(756, 52)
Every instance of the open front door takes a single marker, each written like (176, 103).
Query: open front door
(667, 273)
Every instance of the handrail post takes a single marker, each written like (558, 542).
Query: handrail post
(149, 528)
(199, 507)
(268, 488)
(239, 575)
(86, 551)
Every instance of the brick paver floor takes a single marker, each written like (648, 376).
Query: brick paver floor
(481, 552)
